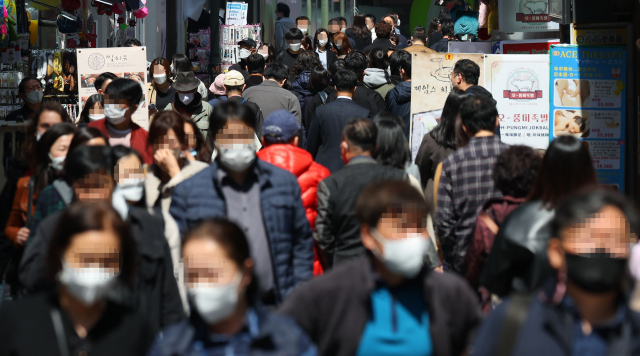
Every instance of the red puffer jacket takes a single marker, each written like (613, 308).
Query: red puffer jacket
(300, 163)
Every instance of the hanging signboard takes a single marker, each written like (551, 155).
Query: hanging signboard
(236, 13)
(124, 62)
(430, 86)
(527, 46)
(520, 85)
(598, 36)
(525, 16)
(589, 90)
(11, 55)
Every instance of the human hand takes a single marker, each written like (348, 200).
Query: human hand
(167, 162)
(23, 235)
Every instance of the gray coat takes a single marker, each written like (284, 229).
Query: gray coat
(271, 97)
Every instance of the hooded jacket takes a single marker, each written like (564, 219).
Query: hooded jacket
(399, 102)
(198, 109)
(378, 80)
(301, 88)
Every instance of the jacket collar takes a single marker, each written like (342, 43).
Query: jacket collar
(361, 160)
(270, 83)
(258, 167)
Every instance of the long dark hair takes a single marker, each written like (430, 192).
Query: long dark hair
(566, 168)
(93, 99)
(272, 53)
(445, 132)
(315, 39)
(393, 147)
(84, 135)
(181, 63)
(346, 45)
(359, 27)
(319, 79)
(203, 152)
(306, 62)
(44, 173)
(32, 127)
(231, 238)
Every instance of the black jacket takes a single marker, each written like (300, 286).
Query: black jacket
(341, 307)
(441, 46)
(361, 43)
(26, 328)
(478, 90)
(434, 38)
(337, 227)
(325, 133)
(254, 108)
(518, 259)
(156, 290)
(383, 43)
(399, 102)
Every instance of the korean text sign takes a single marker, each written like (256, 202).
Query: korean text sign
(520, 85)
(124, 62)
(525, 16)
(236, 13)
(588, 101)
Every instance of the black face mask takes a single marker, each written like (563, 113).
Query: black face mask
(595, 272)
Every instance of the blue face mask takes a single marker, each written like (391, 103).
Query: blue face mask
(193, 153)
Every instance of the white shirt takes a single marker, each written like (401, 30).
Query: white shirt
(323, 58)
(373, 34)
(344, 97)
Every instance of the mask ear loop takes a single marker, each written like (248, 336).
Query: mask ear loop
(561, 287)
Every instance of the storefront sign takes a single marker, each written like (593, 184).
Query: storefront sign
(589, 91)
(236, 13)
(11, 55)
(598, 36)
(470, 47)
(525, 16)
(527, 46)
(520, 85)
(431, 83)
(125, 62)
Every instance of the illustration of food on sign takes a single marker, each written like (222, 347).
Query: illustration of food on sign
(442, 73)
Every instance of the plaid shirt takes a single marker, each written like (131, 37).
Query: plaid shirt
(48, 202)
(465, 185)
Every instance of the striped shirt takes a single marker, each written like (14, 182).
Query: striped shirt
(466, 184)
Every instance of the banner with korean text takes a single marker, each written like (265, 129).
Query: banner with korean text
(588, 85)
(124, 62)
(520, 85)
(525, 16)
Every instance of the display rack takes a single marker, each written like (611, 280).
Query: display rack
(230, 35)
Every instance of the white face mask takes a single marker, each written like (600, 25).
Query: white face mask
(34, 97)
(244, 53)
(160, 79)
(131, 189)
(171, 67)
(295, 46)
(322, 43)
(215, 303)
(343, 30)
(339, 46)
(239, 158)
(57, 163)
(265, 55)
(186, 99)
(405, 256)
(96, 117)
(398, 24)
(304, 31)
(38, 136)
(114, 113)
(88, 285)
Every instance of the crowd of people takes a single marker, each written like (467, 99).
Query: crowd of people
(279, 212)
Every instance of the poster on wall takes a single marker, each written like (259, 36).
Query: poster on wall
(431, 82)
(525, 16)
(125, 62)
(588, 101)
(236, 13)
(527, 46)
(520, 85)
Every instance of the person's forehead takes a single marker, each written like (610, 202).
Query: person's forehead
(607, 225)
(303, 22)
(236, 128)
(31, 83)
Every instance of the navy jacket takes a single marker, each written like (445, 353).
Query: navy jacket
(325, 133)
(548, 331)
(275, 335)
(399, 102)
(288, 231)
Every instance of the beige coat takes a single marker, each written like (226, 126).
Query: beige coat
(154, 189)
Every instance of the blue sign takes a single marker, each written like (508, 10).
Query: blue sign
(588, 86)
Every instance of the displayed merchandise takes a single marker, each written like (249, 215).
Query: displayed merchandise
(199, 48)
(229, 38)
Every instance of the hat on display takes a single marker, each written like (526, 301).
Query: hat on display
(280, 127)
(248, 41)
(217, 88)
(233, 78)
(186, 81)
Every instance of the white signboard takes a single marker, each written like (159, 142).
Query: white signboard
(125, 62)
(525, 16)
(470, 47)
(236, 13)
(520, 85)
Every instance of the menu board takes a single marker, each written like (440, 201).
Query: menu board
(520, 85)
(589, 90)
